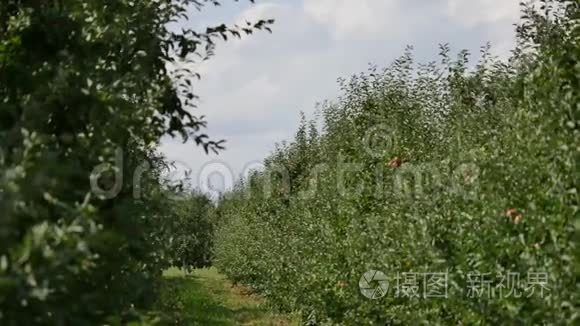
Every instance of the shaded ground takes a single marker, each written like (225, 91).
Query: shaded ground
(205, 297)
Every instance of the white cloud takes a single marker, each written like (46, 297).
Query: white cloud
(476, 12)
(346, 18)
(495, 17)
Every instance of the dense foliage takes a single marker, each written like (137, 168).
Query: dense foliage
(87, 90)
(426, 168)
(190, 237)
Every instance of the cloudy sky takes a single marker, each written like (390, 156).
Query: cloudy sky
(253, 90)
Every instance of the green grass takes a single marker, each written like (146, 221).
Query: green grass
(206, 297)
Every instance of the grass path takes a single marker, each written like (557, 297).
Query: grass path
(205, 297)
